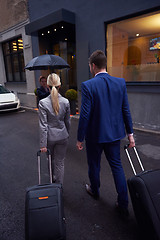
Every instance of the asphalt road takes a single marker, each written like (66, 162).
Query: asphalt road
(86, 218)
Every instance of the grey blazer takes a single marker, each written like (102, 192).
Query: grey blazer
(53, 127)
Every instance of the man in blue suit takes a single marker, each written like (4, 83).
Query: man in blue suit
(104, 117)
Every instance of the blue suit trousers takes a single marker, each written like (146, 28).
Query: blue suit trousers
(112, 153)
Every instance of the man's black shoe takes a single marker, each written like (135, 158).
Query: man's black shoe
(123, 212)
(89, 191)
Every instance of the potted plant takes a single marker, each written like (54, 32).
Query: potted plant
(157, 57)
(35, 92)
(71, 95)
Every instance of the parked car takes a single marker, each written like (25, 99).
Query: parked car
(8, 100)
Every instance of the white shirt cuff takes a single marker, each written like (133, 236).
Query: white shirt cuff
(130, 134)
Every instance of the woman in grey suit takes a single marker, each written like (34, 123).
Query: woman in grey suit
(54, 122)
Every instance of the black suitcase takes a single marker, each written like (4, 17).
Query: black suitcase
(44, 213)
(144, 191)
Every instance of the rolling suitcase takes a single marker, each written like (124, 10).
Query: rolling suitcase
(44, 215)
(144, 191)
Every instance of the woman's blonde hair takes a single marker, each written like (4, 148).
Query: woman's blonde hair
(53, 81)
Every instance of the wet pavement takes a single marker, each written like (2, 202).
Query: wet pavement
(86, 218)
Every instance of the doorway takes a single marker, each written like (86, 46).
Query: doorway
(59, 39)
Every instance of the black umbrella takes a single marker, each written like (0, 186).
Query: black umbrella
(45, 62)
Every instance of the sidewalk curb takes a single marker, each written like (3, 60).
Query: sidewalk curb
(146, 130)
(29, 108)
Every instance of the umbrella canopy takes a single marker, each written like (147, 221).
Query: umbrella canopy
(45, 62)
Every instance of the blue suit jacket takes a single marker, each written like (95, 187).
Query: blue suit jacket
(104, 110)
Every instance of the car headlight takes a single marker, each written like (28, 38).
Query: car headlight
(16, 98)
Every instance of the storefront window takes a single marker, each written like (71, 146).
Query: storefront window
(133, 48)
(14, 60)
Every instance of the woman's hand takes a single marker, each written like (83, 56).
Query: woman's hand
(43, 149)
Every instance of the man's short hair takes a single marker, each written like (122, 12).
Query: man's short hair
(99, 59)
(42, 77)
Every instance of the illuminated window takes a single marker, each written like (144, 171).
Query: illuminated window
(133, 48)
(14, 60)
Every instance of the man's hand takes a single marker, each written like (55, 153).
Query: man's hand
(79, 145)
(44, 149)
(131, 141)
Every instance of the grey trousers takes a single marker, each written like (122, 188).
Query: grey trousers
(58, 152)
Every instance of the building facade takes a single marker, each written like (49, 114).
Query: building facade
(16, 50)
(127, 31)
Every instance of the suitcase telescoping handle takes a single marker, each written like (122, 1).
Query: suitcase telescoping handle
(129, 158)
(49, 165)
